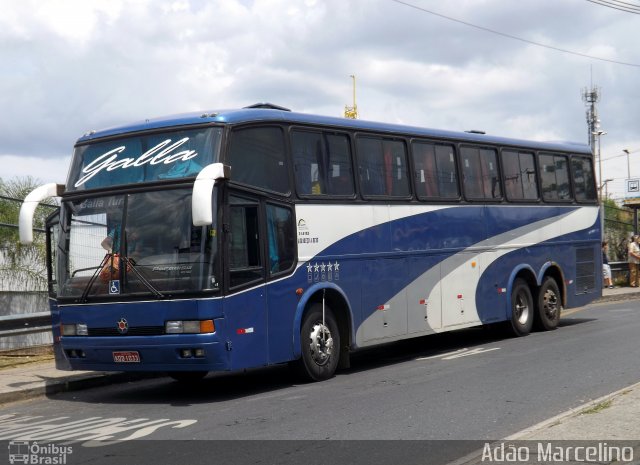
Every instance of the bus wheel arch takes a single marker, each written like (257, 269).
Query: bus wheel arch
(338, 321)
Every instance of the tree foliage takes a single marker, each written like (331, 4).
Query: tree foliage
(22, 267)
(618, 227)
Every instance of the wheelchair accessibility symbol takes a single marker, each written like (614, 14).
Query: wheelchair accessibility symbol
(114, 286)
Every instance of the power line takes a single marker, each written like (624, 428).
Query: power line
(618, 5)
(509, 36)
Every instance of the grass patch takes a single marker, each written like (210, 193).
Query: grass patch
(26, 356)
(598, 407)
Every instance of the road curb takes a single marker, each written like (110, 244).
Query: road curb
(618, 297)
(474, 458)
(574, 412)
(73, 383)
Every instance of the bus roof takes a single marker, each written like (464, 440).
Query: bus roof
(272, 113)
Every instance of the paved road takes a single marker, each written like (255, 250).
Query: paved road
(472, 384)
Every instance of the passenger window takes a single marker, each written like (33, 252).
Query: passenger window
(245, 264)
(481, 177)
(519, 175)
(583, 179)
(257, 158)
(281, 238)
(382, 166)
(322, 163)
(435, 170)
(554, 177)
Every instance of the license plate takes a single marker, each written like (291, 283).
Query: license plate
(126, 357)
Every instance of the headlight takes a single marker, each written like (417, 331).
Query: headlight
(79, 329)
(189, 327)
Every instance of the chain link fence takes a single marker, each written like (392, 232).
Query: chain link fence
(25, 320)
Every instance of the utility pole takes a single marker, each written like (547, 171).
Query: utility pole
(352, 112)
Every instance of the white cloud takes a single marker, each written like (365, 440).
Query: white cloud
(68, 66)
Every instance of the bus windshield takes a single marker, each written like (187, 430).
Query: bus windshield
(138, 243)
(143, 158)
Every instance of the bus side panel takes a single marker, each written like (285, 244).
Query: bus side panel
(388, 316)
(62, 363)
(424, 297)
(282, 302)
(248, 333)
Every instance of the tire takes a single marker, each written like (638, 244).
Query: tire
(187, 376)
(548, 305)
(320, 344)
(522, 308)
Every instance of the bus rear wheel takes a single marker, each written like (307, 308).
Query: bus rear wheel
(320, 344)
(549, 305)
(522, 308)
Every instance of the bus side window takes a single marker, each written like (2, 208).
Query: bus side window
(340, 173)
(382, 166)
(446, 172)
(481, 176)
(257, 158)
(435, 170)
(308, 162)
(245, 264)
(370, 166)
(281, 238)
(519, 175)
(554, 175)
(322, 163)
(583, 179)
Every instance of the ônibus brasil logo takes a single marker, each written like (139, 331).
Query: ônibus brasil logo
(41, 454)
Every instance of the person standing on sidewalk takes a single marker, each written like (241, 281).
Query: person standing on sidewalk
(634, 260)
(606, 268)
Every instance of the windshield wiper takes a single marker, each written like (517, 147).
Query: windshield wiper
(103, 263)
(131, 265)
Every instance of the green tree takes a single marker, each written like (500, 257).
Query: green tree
(22, 267)
(618, 226)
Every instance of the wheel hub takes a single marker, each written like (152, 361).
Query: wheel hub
(522, 310)
(321, 344)
(550, 304)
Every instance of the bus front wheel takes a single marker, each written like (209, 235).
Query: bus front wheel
(522, 308)
(320, 344)
(549, 305)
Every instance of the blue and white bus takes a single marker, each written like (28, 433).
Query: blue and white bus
(243, 238)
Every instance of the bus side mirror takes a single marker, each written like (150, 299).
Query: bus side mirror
(29, 205)
(201, 208)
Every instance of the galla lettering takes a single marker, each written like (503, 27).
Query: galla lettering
(163, 153)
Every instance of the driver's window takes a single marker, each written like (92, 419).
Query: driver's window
(245, 262)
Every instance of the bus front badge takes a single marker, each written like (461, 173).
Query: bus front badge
(123, 326)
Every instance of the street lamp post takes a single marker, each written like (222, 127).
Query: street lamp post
(628, 165)
(599, 133)
(605, 184)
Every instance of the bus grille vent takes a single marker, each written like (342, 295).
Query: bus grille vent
(132, 331)
(585, 270)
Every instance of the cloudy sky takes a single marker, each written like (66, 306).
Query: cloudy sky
(68, 66)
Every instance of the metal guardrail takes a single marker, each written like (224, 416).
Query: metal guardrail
(619, 270)
(25, 323)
